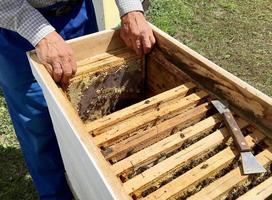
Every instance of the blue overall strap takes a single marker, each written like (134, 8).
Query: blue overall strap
(27, 106)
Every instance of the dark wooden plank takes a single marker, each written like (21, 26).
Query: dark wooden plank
(244, 99)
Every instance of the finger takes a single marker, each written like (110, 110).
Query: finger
(57, 72)
(49, 68)
(128, 42)
(67, 70)
(126, 39)
(152, 39)
(137, 46)
(74, 65)
(134, 35)
(146, 44)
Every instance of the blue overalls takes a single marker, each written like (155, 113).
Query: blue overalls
(27, 106)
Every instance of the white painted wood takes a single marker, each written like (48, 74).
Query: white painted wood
(88, 186)
(76, 159)
(82, 164)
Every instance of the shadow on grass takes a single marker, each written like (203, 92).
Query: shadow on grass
(15, 182)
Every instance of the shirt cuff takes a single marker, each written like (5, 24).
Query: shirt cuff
(126, 6)
(37, 36)
(34, 28)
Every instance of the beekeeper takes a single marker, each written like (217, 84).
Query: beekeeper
(44, 25)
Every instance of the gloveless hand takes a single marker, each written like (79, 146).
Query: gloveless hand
(136, 32)
(57, 57)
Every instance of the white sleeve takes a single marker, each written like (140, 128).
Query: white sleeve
(126, 6)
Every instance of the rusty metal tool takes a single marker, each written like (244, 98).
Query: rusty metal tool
(249, 162)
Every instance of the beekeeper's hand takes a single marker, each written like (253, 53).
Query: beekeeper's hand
(136, 32)
(57, 56)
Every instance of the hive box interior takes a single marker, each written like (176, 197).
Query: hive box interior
(107, 83)
(113, 80)
(166, 116)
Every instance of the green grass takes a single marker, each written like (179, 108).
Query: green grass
(237, 35)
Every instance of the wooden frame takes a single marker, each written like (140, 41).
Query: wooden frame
(83, 156)
(125, 154)
(242, 97)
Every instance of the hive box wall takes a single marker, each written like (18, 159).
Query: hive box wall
(247, 101)
(87, 169)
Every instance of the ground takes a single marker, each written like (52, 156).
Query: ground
(236, 35)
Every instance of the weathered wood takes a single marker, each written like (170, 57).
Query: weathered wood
(260, 192)
(236, 133)
(224, 184)
(204, 170)
(99, 125)
(243, 98)
(169, 165)
(156, 133)
(96, 43)
(139, 121)
(104, 61)
(162, 75)
(166, 145)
